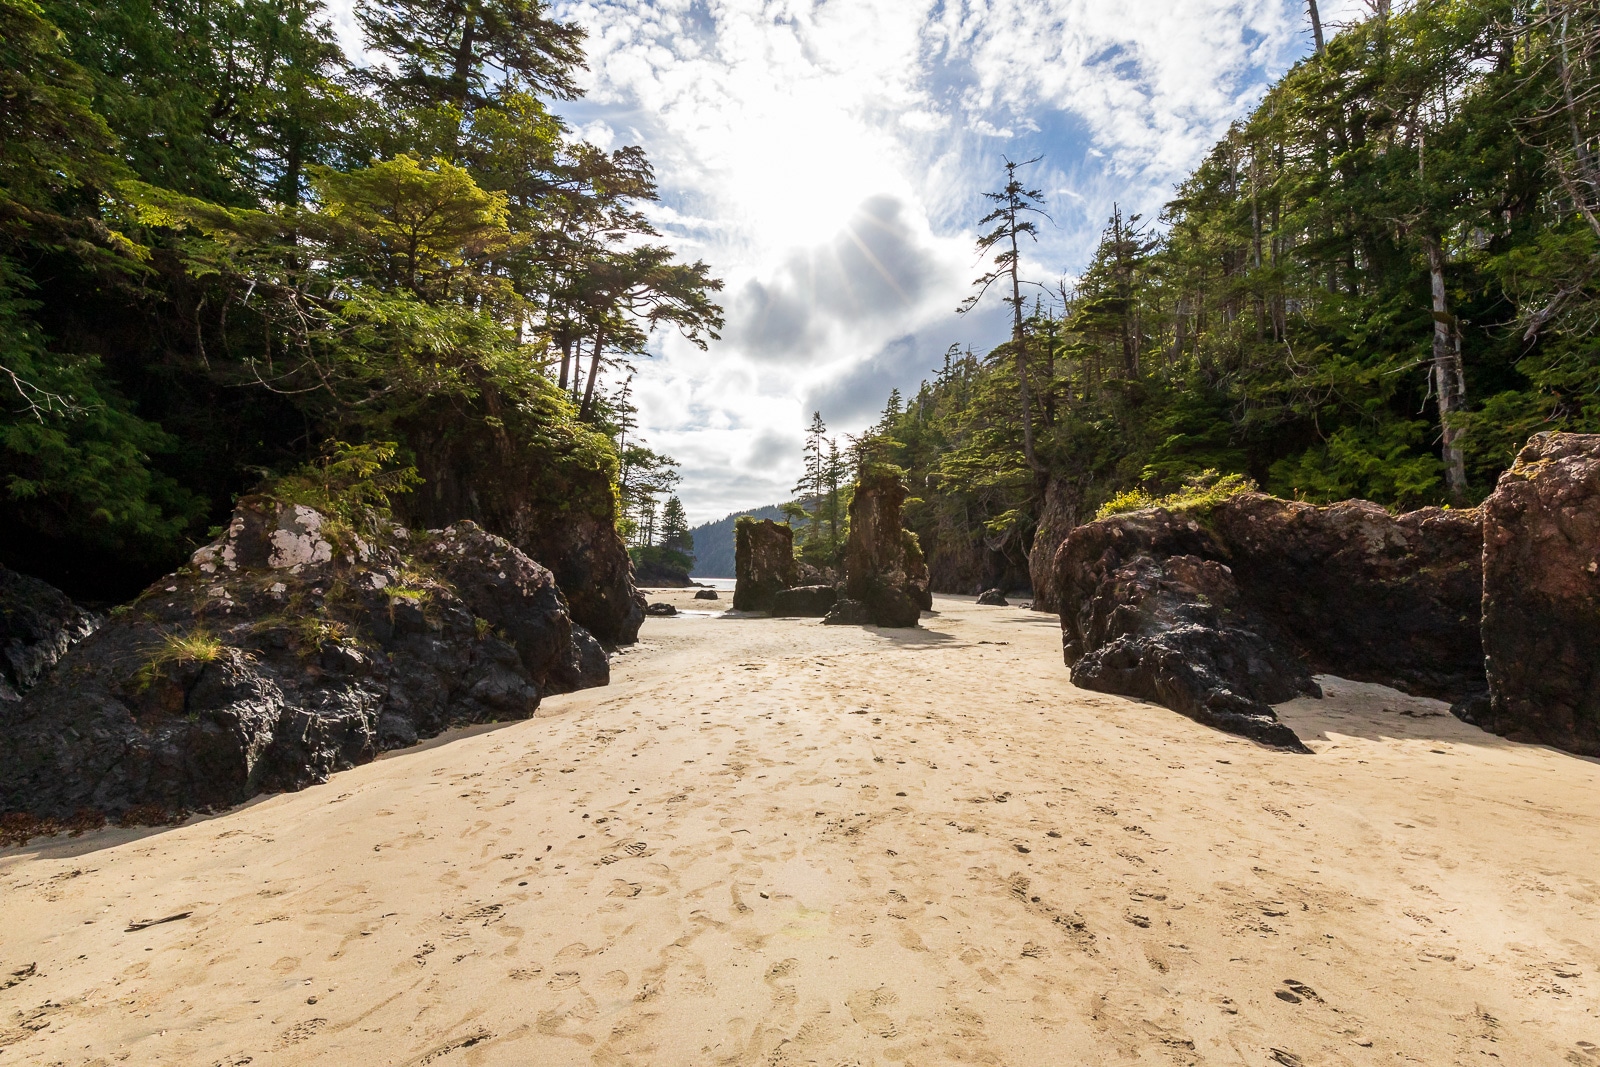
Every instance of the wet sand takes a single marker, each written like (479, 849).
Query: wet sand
(772, 842)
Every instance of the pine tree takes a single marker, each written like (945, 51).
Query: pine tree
(675, 534)
(1013, 201)
(813, 480)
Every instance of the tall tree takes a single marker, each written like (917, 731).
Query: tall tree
(1013, 202)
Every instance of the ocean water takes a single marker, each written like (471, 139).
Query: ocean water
(714, 583)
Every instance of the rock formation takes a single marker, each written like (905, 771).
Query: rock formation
(553, 501)
(804, 602)
(1541, 596)
(37, 626)
(660, 609)
(1056, 521)
(884, 568)
(1220, 620)
(993, 598)
(707, 594)
(763, 557)
(287, 650)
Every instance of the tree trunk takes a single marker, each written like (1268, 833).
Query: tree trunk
(459, 83)
(1449, 378)
(1021, 353)
(587, 409)
(1316, 25)
(566, 361)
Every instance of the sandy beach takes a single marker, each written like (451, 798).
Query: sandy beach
(773, 842)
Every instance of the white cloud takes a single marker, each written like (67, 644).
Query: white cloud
(827, 158)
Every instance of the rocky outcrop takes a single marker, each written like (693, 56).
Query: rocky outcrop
(1056, 521)
(37, 626)
(1541, 596)
(804, 602)
(884, 568)
(1222, 619)
(1363, 593)
(763, 560)
(707, 594)
(660, 609)
(657, 574)
(993, 598)
(1148, 612)
(289, 649)
(546, 493)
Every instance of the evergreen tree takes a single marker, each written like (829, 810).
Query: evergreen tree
(1012, 203)
(675, 534)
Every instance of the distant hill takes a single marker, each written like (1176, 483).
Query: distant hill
(713, 543)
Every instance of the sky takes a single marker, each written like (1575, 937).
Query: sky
(828, 158)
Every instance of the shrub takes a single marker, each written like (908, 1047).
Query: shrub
(1200, 492)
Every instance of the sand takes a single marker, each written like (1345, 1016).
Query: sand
(773, 842)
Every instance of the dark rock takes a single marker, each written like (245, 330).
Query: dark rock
(547, 496)
(884, 567)
(763, 563)
(1165, 630)
(804, 602)
(661, 575)
(1541, 595)
(707, 594)
(1363, 593)
(809, 574)
(1346, 589)
(37, 626)
(1474, 708)
(993, 598)
(1056, 521)
(287, 650)
(660, 609)
(847, 612)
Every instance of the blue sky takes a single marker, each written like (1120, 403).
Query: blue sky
(827, 158)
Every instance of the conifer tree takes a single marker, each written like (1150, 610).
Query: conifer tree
(1012, 203)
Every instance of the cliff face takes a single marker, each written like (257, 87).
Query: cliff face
(1541, 595)
(1219, 616)
(287, 650)
(550, 496)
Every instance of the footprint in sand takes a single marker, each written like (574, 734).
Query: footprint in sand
(865, 1008)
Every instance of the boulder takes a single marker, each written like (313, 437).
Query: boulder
(993, 598)
(1222, 619)
(804, 602)
(289, 649)
(707, 594)
(884, 567)
(763, 558)
(37, 626)
(1541, 596)
(847, 612)
(660, 609)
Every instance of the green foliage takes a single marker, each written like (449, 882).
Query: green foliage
(1200, 493)
(254, 246)
(352, 483)
(176, 649)
(1279, 324)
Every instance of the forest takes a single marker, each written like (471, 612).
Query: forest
(230, 253)
(1377, 285)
